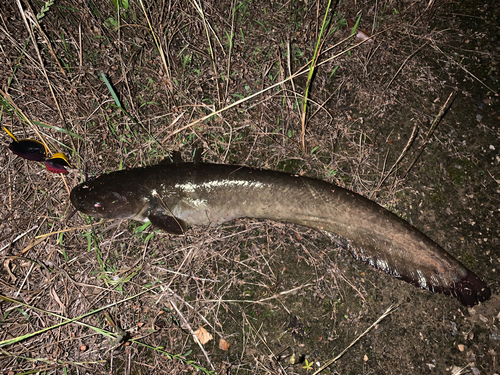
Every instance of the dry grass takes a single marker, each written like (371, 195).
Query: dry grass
(86, 297)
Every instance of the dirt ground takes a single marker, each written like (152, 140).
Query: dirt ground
(276, 298)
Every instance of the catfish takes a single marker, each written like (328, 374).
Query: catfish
(178, 195)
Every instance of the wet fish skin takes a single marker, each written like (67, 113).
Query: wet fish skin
(175, 196)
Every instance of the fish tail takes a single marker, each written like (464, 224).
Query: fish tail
(470, 290)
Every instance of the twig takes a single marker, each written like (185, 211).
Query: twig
(19, 237)
(172, 303)
(494, 179)
(401, 156)
(274, 357)
(159, 47)
(436, 121)
(462, 67)
(383, 316)
(404, 63)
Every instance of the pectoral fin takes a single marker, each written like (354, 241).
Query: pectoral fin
(170, 224)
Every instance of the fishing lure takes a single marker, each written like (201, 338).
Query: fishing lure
(31, 149)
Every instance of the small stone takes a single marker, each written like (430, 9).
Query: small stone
(483, 318)
(461, 347)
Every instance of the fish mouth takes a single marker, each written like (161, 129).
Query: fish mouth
(81, 208)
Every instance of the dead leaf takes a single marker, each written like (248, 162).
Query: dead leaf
(6, 266)
(57, 299)
(223, 345)
(202, 335)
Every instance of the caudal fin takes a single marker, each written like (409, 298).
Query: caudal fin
(470, 290)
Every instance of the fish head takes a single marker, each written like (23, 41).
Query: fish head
(106, 200)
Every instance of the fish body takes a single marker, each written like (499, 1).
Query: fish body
(29, 149)
(175, 196)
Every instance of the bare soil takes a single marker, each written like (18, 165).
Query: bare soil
(283, 297)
